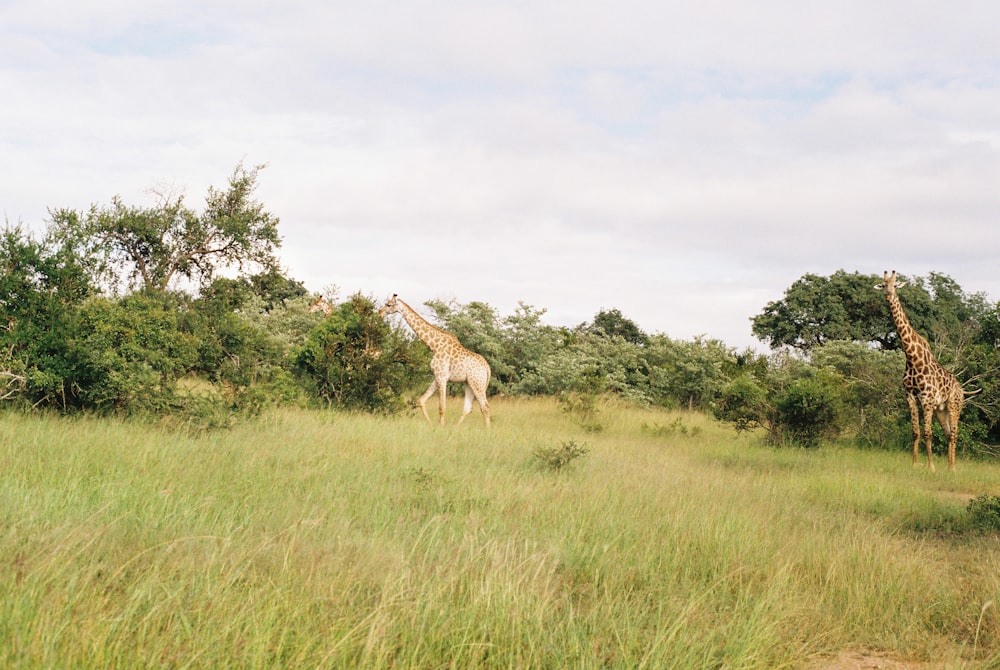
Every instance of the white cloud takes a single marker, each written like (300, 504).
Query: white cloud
(682, 164)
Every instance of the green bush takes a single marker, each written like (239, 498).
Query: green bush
(983, 514)
(555, 459)
(743, 403)
(808, 410)
(351, 359)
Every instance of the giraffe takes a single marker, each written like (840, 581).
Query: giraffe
(451, 362)
(937, 390)
(321, 305)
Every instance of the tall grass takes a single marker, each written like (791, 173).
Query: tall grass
(316, 539)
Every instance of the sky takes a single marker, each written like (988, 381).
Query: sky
(681, 162)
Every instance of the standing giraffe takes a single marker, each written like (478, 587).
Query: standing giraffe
(321, 305)
(451, 362)
(938, 391)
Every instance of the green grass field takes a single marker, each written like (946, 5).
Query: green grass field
(307, 539)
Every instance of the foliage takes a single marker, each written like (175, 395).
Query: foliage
(152, 248)
(612, 323)
(583, 408)
(982, 514)
(875, 412)
(244, 339)
(819, 309)
(133, 352)
(41, 287)
(743, 403)
(688, 374)
(809, 409)
(559, 458)
(675, 427)
(352, 360)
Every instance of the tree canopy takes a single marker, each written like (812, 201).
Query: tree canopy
(153, 247)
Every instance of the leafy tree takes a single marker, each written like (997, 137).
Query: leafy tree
(818, 309)
(151, 248)
(612, 322)
(527, 344)
(41, 286)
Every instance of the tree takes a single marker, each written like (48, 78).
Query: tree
(844, 306)
(151, 248)
(41, 286)
(612, 322)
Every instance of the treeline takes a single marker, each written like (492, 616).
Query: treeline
(124, 310)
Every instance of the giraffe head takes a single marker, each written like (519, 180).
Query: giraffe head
(321, 305)
(889, 283)
(391, 306)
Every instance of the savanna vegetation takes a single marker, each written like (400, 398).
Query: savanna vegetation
(301, 538)
(274, 501)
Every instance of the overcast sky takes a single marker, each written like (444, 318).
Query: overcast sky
(682, 162)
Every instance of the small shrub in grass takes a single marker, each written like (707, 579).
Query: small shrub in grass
(583, 408)
(555, 459)
(677, 426)
(983, 514)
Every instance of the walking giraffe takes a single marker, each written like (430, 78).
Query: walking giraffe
(451, 362)
(938, 391)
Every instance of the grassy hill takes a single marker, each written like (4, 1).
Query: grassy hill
(319, 539)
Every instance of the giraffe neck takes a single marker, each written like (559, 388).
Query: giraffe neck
(912, 342)
(432, 336)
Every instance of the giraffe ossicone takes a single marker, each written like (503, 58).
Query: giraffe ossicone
(936, 390)
(450, 362)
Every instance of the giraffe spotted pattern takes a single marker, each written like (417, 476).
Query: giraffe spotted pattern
(928, 385)
(451, 362)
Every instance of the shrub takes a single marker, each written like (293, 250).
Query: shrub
(555, 459)
(743, 403)
(983, 514)
(583, 408)
(808, 410)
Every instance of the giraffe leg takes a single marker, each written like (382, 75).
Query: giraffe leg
(484, 404)
(467, 407)
(953, 439)
(949, 422)
(929, 436)
(422, 400)
(442, 396)
(915, 423)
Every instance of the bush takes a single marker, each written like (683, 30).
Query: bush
(808, 410)
(351, 360)
(743, 403)
(555, 459)
(583, 408)
(983, 514)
